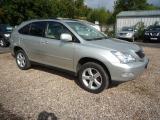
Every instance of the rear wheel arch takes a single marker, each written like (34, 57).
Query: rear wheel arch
(84, 60)
(22, 59)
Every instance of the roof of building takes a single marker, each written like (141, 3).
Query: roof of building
(139, 13)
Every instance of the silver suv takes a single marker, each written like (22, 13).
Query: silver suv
(129, 33)
(77, 47)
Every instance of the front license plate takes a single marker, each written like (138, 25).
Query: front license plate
(154, 38)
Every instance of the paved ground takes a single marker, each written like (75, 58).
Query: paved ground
(153, 45)
(42, 92)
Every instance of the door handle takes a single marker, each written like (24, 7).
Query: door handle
(20, 38)
(44, 42)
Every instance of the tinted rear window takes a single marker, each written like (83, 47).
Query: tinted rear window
(34, 29)
(25, 29)
(38, 29)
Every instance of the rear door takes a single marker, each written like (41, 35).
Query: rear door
(33, 34)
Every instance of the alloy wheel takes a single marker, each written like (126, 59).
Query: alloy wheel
(21, 60)
(92, 78)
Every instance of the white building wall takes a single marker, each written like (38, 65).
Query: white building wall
(131, 21)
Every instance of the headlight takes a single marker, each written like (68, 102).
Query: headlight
(129, 34)
(146, 33)
(7, 35)
(124, 57)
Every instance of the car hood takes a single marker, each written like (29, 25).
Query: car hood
(115, 44)
(153, 31)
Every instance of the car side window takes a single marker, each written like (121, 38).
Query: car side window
(55, 29)
(25, 30)
(38, 29)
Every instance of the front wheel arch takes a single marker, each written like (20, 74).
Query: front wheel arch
(89, 80)
(82, 61)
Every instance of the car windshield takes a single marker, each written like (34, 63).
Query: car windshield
(155, 28)
(86, 32)
(127, 29)
(6, 28)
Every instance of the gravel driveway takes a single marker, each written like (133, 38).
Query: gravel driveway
(4, 50)
(41, 92)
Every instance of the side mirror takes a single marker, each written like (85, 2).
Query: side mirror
(66, 37)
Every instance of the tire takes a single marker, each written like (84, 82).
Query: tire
(22, 60)
(93, 78)
(3, 43)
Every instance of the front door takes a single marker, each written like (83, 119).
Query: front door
(57, 52)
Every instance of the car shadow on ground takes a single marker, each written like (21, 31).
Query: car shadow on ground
(56, 71)
(66, 74)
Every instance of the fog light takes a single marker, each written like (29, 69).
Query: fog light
(125, 75)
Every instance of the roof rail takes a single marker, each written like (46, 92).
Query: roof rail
(60, 18)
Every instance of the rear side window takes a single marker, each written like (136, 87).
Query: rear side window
(38, 29)
(25, 30)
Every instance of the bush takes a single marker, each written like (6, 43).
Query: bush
(110, 33)
(140, 30)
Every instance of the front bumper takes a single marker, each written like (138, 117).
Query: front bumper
(125, 36)
(152, 38)
(126, 72)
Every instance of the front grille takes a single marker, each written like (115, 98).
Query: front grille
(140, 54)
(154, 34)
(123, 33)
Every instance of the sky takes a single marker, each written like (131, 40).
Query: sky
(108, 4)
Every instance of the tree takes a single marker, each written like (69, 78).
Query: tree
(2, 17)
(100, 15)
(152, 7)
(125, 5)
(141, 30)
(16, 11)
